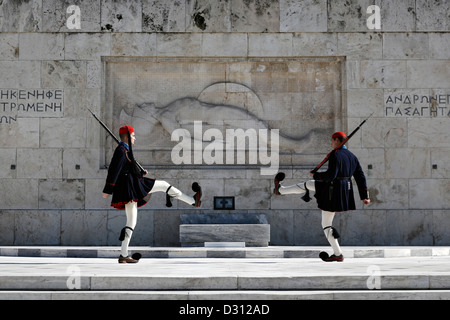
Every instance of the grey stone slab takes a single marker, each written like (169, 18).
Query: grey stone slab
(7, 159)
(61, 194)
(398, 16)
(63, 133)
(432, 15)
(178, 44)
(269, 44)
(419, 167)
(428, 74)
(439, 45)
(389, 194)
(82, 164)
(208, 16)
(163, 16)
(54, 15)
(29, 252)
(230, 295)
(115, 295)
(302, 282)
(41, 163)
(301, 254)
(81, 253)
(229, 253)
(36, 283)
(307, 228)
(77, 227)
(25, 295)
(20, 74)
(133, 44)
(386, 133)
(155, 253)
(369, 253)
(348, 16)
(303, 16)
(255, 16)
(314, 44)
(41, 46)
(421, 251)
(413, 227)
(37, 227)
(384, 73)
(121, 16)
(16, 198)
(242, 188)
(224, 44)
(7, 236)
(438, 158)
(223, 218)
(87, 46)
(360, 45)
(21, 16)
(200, 233)
(62, 74)
(405, 46)
(424, 133)
(434, 190)
(163, 283)
(9, 46)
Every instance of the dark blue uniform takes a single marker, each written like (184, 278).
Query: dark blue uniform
(123, 185)
(334, 188)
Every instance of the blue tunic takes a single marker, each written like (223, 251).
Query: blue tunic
(123, 185)
(334, 188)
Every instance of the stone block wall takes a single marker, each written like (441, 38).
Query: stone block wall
(53, 151)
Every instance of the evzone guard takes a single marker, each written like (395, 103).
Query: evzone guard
(130, 189)
(333, 189)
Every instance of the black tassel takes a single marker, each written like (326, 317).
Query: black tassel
(122, 233)
(168, 200)
(306, 196)
(334, 232)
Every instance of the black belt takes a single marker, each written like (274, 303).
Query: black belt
(330, 190)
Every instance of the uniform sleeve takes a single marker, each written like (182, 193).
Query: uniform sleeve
(360, 179)
(117, 162)
(331, 173)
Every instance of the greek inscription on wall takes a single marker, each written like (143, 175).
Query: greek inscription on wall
(16, 103)
(417, 105)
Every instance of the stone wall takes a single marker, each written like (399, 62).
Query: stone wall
(53, 151)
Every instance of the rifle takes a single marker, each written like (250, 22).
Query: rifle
(140, 168)
(340, 145)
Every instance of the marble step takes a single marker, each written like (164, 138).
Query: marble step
(222, 251)
(234, 295)
(72, 274)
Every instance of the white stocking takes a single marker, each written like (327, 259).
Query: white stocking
(327, 221)
(162, 186)
(298, 188)
(131, 213)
